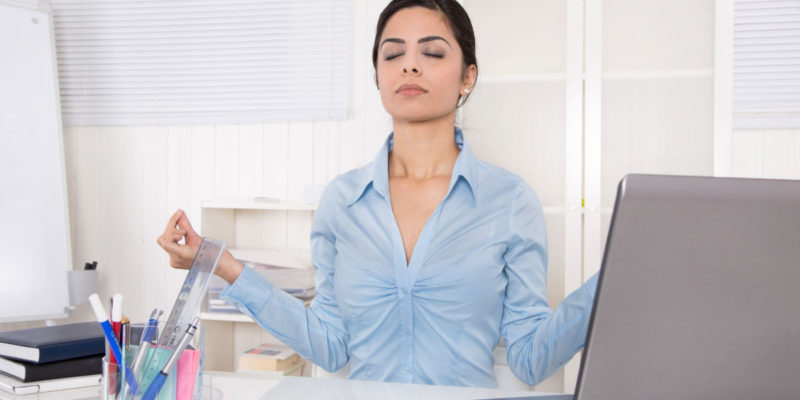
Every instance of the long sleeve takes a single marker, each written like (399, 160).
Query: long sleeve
(539, 340)
(316, 332)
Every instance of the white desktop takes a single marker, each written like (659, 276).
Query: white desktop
(230, 385)
(218, 385)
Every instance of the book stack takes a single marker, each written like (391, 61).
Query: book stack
(271, 358)
(51, 358)
(215, 303)
(288, 269)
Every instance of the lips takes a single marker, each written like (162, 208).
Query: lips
(411, 90)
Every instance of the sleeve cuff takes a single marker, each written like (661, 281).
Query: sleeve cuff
(250, 290)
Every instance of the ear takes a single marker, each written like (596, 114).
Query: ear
(470, 75)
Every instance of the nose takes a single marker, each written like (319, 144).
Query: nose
(412, 69)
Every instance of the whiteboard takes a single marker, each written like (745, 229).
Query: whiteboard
(34, 225)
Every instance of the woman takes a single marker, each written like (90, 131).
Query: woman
(427, 256)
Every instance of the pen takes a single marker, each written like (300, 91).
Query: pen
(116, 325)
(158, 381)
(123, 346)
(126, 332)
(102, 318)
(148, 337)
(116, 314)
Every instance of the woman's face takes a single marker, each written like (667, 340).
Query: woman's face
(420, 67)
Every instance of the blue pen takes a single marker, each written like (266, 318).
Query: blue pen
(158, 381)
(148, 338)
(102, 318)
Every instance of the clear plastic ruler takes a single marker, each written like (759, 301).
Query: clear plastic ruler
(186, 305)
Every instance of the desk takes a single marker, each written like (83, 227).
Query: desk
(228, 385)
(236, 385)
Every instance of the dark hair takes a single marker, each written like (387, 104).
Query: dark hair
(456, 19)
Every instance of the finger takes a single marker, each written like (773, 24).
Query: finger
(173, 220)
(179, 250)
(174, 235)
(185, 225)
(162, 240)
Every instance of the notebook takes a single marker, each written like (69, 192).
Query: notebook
(28, 371)
(91, 383)
(53, 343)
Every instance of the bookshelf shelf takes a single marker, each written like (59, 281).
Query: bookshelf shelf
(256, 203)
(225, 317)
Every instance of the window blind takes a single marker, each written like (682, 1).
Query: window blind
(766, 64)
(202, 61)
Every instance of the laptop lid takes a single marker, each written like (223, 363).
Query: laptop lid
(699, 292)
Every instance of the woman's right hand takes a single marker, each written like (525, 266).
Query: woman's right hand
(179, 228)
(181, 255)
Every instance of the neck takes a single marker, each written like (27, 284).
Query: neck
(423, 150)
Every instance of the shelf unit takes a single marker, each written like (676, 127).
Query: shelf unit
(256, 229)
(584, 104)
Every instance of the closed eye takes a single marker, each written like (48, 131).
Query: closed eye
(392, 56)
(434, 55)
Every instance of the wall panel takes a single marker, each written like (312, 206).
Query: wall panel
(275, 159)
(250, 158)
(766, 153)
(226, 160)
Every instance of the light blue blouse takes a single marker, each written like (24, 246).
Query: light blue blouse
(478, 272)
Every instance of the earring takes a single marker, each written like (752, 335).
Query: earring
(466, 91)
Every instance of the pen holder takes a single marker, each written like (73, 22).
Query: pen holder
(184, 380)
(115, 383)
(112, 386)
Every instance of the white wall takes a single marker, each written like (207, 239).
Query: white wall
(766, 153)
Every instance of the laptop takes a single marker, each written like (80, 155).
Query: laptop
(699, 292)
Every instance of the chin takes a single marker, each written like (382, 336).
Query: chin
(416, 119)
(418, 114)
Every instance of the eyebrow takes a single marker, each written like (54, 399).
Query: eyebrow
(423, 40)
